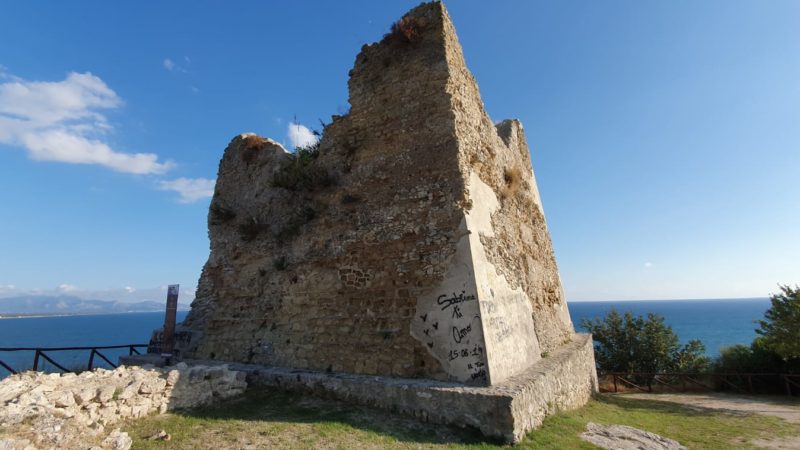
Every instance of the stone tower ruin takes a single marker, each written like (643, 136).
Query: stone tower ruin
(410, 243)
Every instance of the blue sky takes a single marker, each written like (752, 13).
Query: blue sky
(665, 135)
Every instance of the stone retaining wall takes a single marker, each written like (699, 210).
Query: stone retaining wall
(563, 380)
(75, 411)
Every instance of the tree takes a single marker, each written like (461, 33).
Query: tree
(624, 343)
(691, 358)
(781, 325)
(755, 358)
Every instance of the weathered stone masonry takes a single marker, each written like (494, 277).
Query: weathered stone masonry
(412, 244)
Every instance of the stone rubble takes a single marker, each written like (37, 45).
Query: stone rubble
(621, 437)
(77, 411)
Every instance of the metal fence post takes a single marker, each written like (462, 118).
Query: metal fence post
(91, 360)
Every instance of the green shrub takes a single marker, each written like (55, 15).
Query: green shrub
(296, 222)
(302, 173)
(250, 229)
(630, 344)
(755, 358)
(781, 325)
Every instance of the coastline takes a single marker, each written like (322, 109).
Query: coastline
(4, 316)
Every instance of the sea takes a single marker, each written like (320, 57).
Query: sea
(718, 323)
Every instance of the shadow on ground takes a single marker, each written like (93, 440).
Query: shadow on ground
(263, 416)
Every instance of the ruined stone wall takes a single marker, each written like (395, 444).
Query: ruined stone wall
(78, 410)
(413, 245)
(345, 295)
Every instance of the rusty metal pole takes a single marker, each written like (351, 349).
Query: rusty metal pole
(168, 338)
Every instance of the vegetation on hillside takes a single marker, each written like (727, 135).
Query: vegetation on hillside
(781, 325)
(776, 349)
(630, 344)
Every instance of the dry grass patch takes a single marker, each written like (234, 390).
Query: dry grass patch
(269, 418)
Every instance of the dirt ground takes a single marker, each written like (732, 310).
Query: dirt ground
(782, 407)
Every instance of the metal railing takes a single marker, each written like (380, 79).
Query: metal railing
(40, 354)
(747, 383)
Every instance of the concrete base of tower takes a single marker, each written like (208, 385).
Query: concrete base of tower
(564, 380)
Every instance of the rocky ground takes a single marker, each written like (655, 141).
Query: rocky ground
(80, 411)
(621, 437)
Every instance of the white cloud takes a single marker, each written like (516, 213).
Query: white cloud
(7, 289)
(169, 64)
(190, 189)
(130, 290)
(648, 265)
(67, 288)
(62, 121)
(300, 135)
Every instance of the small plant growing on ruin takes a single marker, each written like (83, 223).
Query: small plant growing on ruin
(250, 229)
(251, 146)
(404, 30)
(513, 180)
(349, 199)
(303, 173)
(292, 228)
(280, 264)
(219, 214)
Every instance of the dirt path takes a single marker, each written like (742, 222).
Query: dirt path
(772, 406)
(781, 407)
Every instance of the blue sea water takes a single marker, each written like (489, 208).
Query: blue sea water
(75, 331)
(718, 323)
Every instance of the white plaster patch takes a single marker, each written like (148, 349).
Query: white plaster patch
(507, 314)
(478, 327)
(448, 321)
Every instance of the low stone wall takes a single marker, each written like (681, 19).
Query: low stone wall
(75, 411)
(563, 380)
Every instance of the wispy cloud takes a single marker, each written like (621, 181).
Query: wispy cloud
(62, 121)
(648, 265)
(189, 189)
(172, 66)
(300, 135)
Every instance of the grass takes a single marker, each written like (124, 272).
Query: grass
(269, 418)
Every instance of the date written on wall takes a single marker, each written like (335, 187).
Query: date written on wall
(465, 352)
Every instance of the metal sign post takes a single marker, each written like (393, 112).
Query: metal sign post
(168, 339)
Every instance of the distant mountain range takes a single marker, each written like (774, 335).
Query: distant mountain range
(64, 304)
